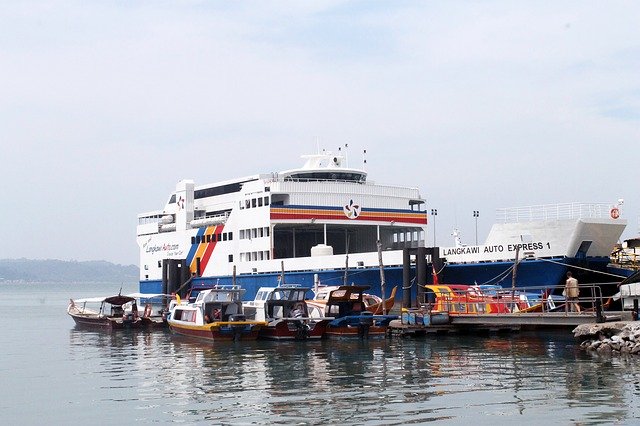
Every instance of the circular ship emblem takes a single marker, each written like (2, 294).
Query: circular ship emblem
(351, 210)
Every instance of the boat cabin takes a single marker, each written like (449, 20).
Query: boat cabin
(286, 301)
(346, 301)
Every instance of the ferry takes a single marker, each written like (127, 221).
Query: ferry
(326, 223)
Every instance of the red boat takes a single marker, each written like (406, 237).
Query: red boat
(286, 313)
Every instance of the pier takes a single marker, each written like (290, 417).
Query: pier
(494, 323)
(451, 308)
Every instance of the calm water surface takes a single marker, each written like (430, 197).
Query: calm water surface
(56, 374)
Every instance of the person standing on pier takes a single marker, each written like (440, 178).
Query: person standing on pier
(571, 291)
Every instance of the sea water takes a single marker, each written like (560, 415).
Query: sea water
(53, 373)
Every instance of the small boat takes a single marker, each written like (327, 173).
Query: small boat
(105, 312)
(371, 302)
(350, 318)
(285, 311)
(215, 315)
(154, 313)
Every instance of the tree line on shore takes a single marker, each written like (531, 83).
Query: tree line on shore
(51, 270)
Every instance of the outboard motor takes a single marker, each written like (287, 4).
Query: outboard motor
(366, 321)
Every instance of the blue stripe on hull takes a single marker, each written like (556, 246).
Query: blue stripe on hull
(531, 272)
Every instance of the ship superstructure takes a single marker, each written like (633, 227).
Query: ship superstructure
(318, 222)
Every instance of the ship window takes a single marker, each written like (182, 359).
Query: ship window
(193, 240)
(172, 199)
(159, 264)
(230, 236)
(254, 232)
(260, 232)
(242, 234)
(225, 236)
(259, 202)
(268, 255)
(241, 205)
(267, 231)
(208, 238)
(247, 204)
(266, 201)
(253, 202)
(260, 254)
(230, 258)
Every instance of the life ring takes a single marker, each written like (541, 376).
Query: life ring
(615, 213)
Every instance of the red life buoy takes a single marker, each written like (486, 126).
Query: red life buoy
(615, 213)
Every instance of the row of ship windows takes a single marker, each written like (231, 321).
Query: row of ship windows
(254, 255)
(212, 238)
(254, 233)
(254, 202)
(401, 237)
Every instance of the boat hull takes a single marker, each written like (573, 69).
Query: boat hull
(213, 332)
(294, 330)
(356, 332)
(530, 273)
(107, 323)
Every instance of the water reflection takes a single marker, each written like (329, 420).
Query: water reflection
(461, 378)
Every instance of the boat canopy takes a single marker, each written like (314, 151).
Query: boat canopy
(116, 300)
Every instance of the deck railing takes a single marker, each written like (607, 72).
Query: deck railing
(496, 300)
(553, 212)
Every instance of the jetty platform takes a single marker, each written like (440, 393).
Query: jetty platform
(449, 308)
(508, 322)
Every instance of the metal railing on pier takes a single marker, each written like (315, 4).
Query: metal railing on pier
(494, 307)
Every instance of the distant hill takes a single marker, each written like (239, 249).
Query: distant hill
(66, 271)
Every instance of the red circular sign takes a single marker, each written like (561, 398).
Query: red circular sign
(615, 213)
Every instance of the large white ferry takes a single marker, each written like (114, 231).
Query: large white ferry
(322, 223)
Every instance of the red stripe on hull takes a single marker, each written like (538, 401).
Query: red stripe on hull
(281, 331)
(298, 216)
(353, 332)
(215, 334)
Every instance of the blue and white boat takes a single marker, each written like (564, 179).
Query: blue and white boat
(321, 223)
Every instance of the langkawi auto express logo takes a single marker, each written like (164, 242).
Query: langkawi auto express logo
(351, 210)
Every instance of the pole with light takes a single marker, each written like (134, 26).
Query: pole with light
(476, 214)
(434, 213)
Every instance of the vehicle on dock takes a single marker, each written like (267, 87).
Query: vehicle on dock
(345, 306)
(215, 315)
(285, 311)
(105, 312)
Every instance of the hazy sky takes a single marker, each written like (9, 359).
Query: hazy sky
(104, 106)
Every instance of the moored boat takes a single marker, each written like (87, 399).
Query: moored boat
(105, 312)
(372, 302)
(285, 311)
(215, 315)
(350, 318)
